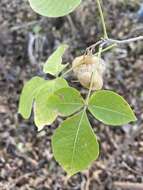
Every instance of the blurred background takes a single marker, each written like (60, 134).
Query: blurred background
(26, 40)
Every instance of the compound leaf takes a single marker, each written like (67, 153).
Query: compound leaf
(66, 101)
(53, 65)
(74, 143)
(110, 108)
(54, 8)
(27, 96)
(44, 114)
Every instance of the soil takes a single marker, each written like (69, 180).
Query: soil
(26, 39)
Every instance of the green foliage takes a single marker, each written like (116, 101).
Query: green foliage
(54, 8)
(110, 108)
(44, 112)
(74, 143)
(66, 101)
(53, 65)
(37, 91)
(28, 94)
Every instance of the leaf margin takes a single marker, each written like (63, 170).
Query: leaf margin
(131, 118)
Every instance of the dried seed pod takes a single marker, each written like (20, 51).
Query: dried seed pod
(84, 66)
(85, 80)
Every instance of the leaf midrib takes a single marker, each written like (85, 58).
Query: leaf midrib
(76, 136)
(109, 110)
(69, 104)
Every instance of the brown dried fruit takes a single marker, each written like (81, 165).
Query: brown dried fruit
(84, 66)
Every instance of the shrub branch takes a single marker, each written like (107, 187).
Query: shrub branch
(102, 19)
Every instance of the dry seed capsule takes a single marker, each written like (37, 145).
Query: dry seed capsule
(84, 66)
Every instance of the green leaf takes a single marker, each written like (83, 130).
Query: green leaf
(54, 8)
(38, 90)
(66, 101)
(110, 108)
(44, 114)
(28, 93)
(53, 65)
(74, 144)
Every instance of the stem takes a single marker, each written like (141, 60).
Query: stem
(102, 19)
(107, 48)
(124, 41)
(93, 46)
(92, 78)
(90, 89)
(66, 72)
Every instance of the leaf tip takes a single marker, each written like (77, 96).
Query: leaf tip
(134, 118)
(24, 115)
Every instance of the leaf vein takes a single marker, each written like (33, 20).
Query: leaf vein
(113, 111)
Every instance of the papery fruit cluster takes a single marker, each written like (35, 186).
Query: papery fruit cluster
(86, 67)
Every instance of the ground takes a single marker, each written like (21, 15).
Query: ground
(26, 39)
